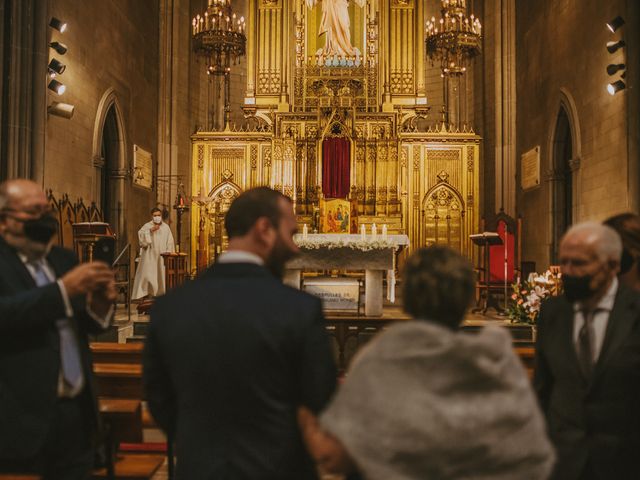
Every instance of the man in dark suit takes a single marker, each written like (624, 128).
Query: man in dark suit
(588, 361)
(48, 303)
(230, 356)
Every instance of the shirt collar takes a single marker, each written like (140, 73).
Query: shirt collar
(26, 261)
(239, 256)
(606, 302)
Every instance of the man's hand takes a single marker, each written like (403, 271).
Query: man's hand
(155, 228)
(101, 300)
(89, 277)
(328, 452)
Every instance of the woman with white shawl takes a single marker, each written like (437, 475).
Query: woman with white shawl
(424, 400)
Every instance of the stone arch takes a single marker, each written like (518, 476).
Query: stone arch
(564, 150)
(442, 217)
(110, 173)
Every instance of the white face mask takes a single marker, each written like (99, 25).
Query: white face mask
(157, 220)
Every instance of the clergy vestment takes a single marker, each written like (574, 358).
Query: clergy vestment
(149, 278)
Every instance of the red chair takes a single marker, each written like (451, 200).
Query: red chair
(494, 284)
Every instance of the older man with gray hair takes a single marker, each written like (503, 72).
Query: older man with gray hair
(588, 361)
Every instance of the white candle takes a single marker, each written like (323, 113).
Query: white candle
(374, 231)
(363, 233)
(305, 231)
(384, 231)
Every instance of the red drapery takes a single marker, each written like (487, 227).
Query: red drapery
(336, 167)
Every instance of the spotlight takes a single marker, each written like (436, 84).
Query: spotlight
(56, 68)
(615, 87)
(60, 48)
(58, 24)
(61, 109)
(613, 47)
(614, 67)
(57, 87)
(615, 24)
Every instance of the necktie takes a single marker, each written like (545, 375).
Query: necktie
(586, 339)
(69, 355)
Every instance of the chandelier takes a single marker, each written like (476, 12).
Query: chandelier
(455, 39)
(219, 36)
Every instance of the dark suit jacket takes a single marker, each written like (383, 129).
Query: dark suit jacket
(29, 352)
(228, 359)
(595, 422)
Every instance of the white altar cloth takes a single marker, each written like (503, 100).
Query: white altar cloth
(374, 254)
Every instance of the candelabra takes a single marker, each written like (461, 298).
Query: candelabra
(455, 39)
(219, 37)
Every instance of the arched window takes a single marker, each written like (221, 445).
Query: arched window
(562, 186)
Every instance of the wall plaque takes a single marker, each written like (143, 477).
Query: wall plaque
(530, 169)
(142, 168)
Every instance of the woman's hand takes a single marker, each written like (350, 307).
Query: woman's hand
(326, 450)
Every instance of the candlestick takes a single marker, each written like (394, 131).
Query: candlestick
(374, 231)
(363, 233)
(305, 231)
(384, 231)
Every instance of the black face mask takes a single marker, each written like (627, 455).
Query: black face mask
(41, 229)
(577, 288)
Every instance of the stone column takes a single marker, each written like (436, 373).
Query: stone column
(505, 109)
(23, 106)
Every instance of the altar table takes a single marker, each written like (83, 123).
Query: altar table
(374, 255)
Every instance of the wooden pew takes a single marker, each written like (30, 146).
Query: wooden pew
(110, 352)
(527, 356)
(124, 418)
(11, 476)
(118, 380)
(133, 467)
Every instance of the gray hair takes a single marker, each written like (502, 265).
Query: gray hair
(605, 239)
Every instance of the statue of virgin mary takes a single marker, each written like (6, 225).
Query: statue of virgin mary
(335, 26)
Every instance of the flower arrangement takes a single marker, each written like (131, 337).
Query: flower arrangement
(527, 296)
(379, 243)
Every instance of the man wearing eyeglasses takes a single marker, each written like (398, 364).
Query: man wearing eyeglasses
(48, 305)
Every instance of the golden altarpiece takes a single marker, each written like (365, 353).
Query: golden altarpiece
(318, 69)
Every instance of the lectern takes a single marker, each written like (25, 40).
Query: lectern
(175, 269)
(85, 236)
(485, 240)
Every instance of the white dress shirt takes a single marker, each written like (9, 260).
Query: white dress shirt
(64, 390)
(239, 256)
(600, 319)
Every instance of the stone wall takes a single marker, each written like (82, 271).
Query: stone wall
(561, 60)
(112, 57)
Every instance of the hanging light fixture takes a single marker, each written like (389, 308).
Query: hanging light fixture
(219, 37)
(454, 39)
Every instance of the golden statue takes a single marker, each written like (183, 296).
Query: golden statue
(335, 25)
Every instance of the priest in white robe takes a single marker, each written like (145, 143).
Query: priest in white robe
(155, 238)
